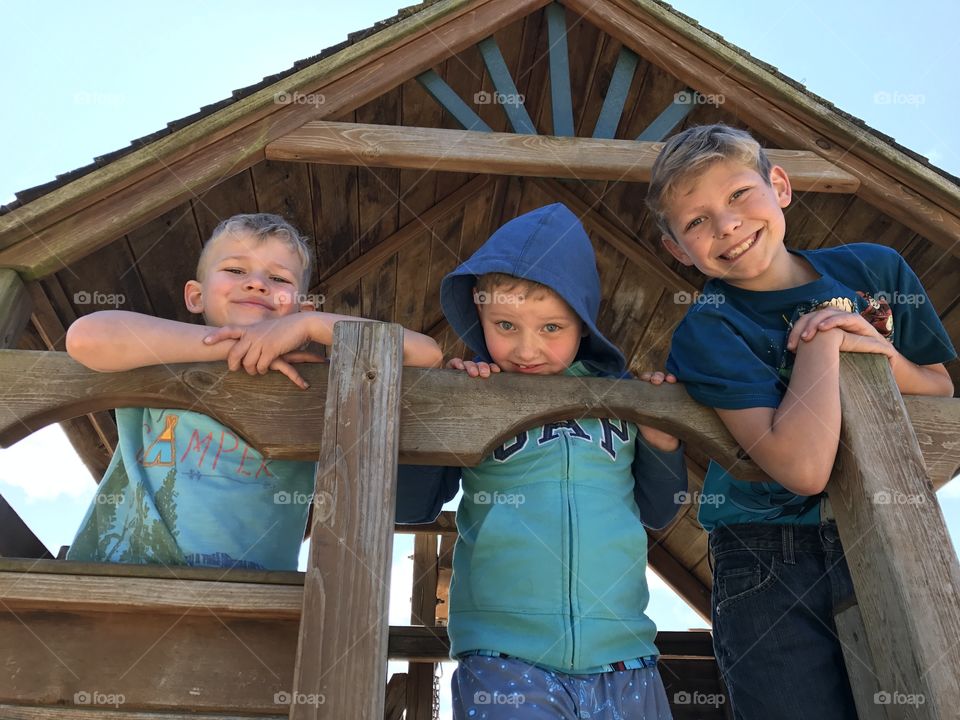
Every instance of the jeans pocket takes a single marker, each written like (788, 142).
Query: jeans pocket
(741, 575)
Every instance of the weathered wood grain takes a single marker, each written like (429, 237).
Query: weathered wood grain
(903, 565)
(445, 417)
(388, 146)
(343, 630)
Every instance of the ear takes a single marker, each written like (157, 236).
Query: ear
(781, 185)
(673, 247)
(193, 296)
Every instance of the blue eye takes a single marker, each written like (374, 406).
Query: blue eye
(551, 327)
(277, 278)
(235, 271)
(739, 193)
(505, 325)
(693, 223)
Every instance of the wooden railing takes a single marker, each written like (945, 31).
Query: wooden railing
(365, 411)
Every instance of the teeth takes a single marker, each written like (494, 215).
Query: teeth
(740, 249)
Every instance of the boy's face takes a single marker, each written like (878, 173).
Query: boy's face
(538, 334)
(246, 281)
(729, 223)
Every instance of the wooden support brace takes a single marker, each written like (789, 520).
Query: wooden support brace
(616, 96)
(16, 537)
(15, 308)
(423, 611)
(561, 101)
(508, 97)
(901, 558)
(342, 651)
(451, 102)
(859, 661)
(671, 116)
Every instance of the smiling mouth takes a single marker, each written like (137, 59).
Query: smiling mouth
(738, 250)
(528, 368)
(254, 303)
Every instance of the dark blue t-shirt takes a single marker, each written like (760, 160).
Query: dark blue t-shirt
(730, 352)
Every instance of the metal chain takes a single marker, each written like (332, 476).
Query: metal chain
(436, 691)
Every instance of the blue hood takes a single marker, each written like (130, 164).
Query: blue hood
(548, 246)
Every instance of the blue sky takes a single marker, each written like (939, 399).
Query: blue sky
(85, 79)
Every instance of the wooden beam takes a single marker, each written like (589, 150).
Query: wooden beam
(635, 251)
(902, 561)
(15, 308)
(451, 102)
(445, 525)
(859, 662)
(71, 222)
(507, 97)
(423, 611)
(616, 96)
(397, 146)
(561, 102)
(22, 712)
(396, 700)
(894, 183)
(16, 538)
(353, 271)
(667, 120)
(343, 631)
(447, 420)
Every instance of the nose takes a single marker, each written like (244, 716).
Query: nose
(526, 349)
(727, 222)
(256, 281)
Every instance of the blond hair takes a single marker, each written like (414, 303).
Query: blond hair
(262, 226)
(692, 152)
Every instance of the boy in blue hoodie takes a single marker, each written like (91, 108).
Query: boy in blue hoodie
(549, 588)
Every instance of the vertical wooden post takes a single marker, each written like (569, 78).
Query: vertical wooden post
(423, 611)
(342, 654)
(902, 561)
(14, 308)
(859, 660)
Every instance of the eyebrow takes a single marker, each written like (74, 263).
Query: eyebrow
(273, 265)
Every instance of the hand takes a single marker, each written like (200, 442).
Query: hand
(268, 345)
(858, 334)
(657, 377)
(480, 369)
(659, 439)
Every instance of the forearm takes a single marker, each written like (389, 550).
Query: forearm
(418, 350)
(660, 479)
(796, 443)
(116, 340)
(913, 379)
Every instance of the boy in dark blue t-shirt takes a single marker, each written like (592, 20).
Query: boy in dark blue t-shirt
(761, 346)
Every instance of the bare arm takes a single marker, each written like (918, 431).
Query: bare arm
(258, 347)
(796, 443)
(114, 340)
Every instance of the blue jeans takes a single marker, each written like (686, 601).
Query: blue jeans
(775, 588)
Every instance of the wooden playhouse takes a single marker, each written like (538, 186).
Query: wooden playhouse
(399, 151)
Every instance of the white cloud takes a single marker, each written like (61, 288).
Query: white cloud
(45, 466)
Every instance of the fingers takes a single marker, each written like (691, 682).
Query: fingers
(656, 377)
(226, 332)
(288, 370)
(455, 364)
(473, 369)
